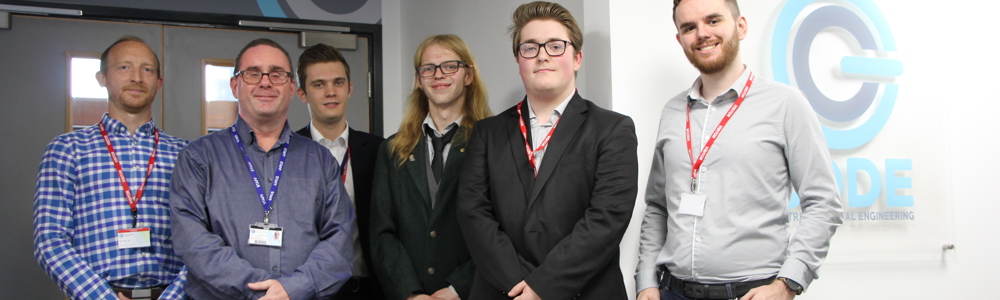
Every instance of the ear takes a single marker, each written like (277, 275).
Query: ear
(577, 60)
(101, 79)
(469, 76)
(741, 27)
(678, 36)
(302, 95)
(350, 89)
(159, 84)
(232, 85)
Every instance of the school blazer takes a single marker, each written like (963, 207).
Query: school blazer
(417, 248)
(559, 231)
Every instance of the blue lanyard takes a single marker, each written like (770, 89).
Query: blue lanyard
(256, 181)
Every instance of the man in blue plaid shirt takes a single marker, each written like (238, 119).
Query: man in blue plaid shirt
(102, 224)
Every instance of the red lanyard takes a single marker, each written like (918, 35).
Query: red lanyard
(524, 133)
(343, 165)
(696, 165)
(132, 201)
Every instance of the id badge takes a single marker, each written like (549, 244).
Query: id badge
(692, 204)
(133, 238)
(263, 234)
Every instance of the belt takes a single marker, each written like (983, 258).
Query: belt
(711, 291)
(139, 294)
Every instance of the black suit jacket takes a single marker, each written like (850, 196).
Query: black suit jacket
(417, 248)
(364, 150)
(559, 231)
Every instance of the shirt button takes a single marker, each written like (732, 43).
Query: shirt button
(713, 108)
(697, 239)
(434, 234)
(274, 268)
(135, 167)
(430, 271)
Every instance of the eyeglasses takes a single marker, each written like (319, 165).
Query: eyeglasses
(254, 77)
(552, 48)
(448, 67)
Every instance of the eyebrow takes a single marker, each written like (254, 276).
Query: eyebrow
(708, 17)
(536, 41)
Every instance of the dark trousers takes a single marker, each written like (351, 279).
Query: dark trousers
(360, 288)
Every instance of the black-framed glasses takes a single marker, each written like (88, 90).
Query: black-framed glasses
(552, 48)
(448, 67)
(254, 77)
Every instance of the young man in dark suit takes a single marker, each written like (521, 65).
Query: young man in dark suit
(325, 85)
(548, 186)
(416, 241)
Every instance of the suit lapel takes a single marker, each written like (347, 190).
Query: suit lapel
(570, 122)
(521, 165)
(418, 169)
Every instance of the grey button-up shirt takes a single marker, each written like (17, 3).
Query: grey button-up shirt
(772, 144)
(213, 202)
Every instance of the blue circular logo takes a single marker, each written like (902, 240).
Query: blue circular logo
(875, 36)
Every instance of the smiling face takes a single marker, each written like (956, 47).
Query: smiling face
(546, 76)
(443, 90)
(264, 101)
(131, 78)
(327, 91)
(710, 33)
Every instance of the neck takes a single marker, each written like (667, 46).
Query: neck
(332, 130)
(713, 85)
(543, 105)
(267, 131)
(132, 121)
(444, 115)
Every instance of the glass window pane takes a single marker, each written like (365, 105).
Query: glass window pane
(217, 83)
(84, 80)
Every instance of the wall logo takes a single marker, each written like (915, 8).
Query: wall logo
(862, 20)
(867, 111)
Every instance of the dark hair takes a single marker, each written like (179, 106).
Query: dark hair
(735, 7)
(320, 53)
(127, 38)
(259, 42)
(541, 10)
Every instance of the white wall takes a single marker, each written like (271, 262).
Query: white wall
(948, 61)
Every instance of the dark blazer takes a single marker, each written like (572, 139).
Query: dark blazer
(418, 249)
(364, 150)
(558, 232)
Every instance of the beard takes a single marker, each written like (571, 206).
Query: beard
(729, 49)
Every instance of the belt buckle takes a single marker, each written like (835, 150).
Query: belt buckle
(138, 294)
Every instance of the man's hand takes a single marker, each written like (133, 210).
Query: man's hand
(523, 292)
(446, 294)
(649, 294)
(122, 296)
(777, 290)
(420, 297)
(274, 289)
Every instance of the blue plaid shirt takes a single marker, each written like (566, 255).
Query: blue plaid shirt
(80, 206)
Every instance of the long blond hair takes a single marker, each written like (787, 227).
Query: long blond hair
(476, 106)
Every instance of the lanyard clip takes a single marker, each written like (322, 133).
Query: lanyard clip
(266, 217)
(694, 185)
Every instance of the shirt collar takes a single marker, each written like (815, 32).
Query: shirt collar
(695, 92)
(115, 127)
(318, 137)
(556, 112)
(430, 122)
(247, 134)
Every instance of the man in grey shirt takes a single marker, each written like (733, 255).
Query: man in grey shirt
(723, 171)
(256, 211)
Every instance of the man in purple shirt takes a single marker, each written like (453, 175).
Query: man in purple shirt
(242, 236)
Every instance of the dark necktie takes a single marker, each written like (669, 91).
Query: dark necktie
(437, 163)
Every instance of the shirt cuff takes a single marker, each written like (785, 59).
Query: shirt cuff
(452, 288)
(797, 271)
(646, 279)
